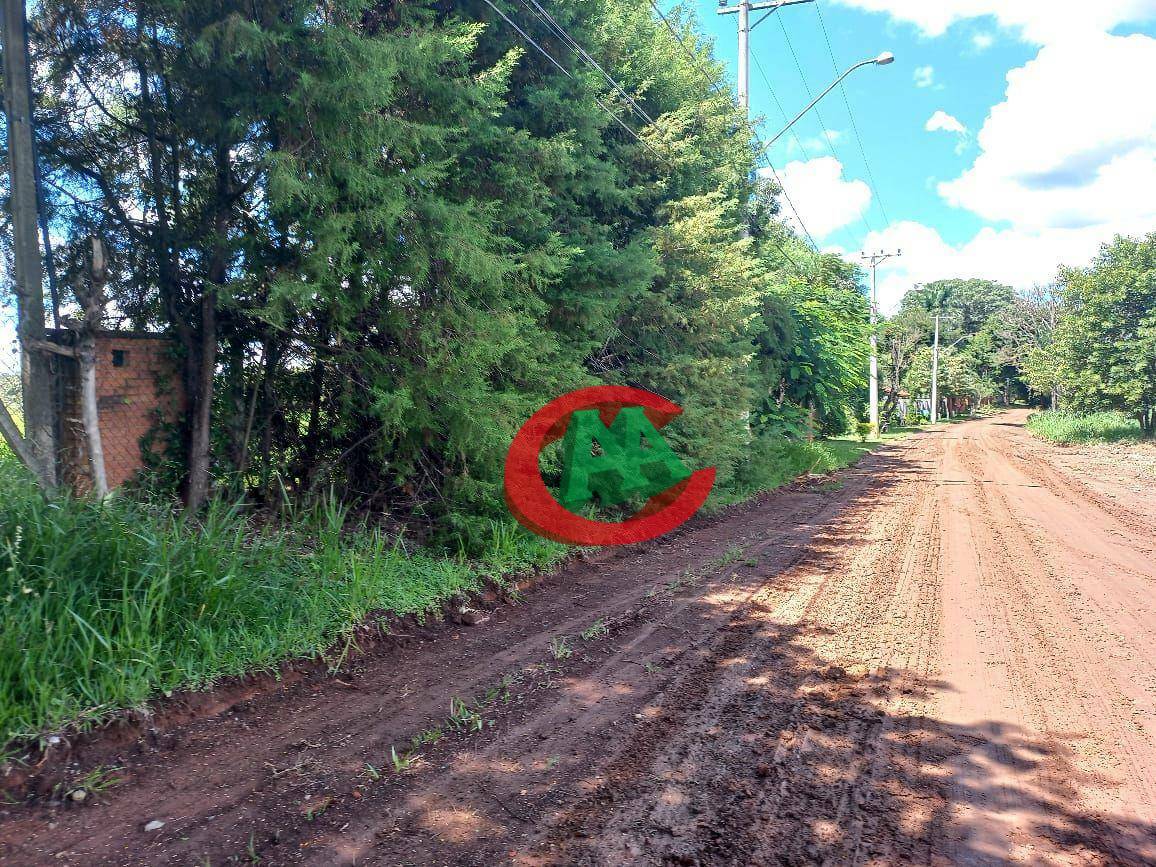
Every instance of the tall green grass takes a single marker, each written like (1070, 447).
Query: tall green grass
(1068, 429)
(103, 606)
(773, 463)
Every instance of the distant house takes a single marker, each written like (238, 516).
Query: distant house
(138, 390)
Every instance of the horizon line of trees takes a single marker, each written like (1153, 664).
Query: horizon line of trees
(1084, 343)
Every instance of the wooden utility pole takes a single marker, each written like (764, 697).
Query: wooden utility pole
(35, 373)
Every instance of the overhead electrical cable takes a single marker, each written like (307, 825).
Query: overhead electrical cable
(529, 39)
(818, 115)
(798, 141)
(851, 115)
(551, 23)
(712, 81)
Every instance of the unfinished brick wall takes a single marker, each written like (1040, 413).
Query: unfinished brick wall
(138, 384)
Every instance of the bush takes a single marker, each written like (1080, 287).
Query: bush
(1068, 428)
(864, 429)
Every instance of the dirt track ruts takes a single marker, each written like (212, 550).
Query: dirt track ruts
(945, 655)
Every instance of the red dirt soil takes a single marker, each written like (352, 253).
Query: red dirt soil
(945, 656)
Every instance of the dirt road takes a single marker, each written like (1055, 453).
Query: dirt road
(946, 655)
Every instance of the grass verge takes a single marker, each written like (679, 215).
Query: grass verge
(103, 606)
(1065, 428)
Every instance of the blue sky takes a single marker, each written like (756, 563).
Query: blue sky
(1008, 138)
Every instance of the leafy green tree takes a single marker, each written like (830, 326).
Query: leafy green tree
(964, 305)
(1026, 334)
(958, 376)
(1107, 339)
(901, 337)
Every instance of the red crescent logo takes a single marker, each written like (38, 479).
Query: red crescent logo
(534, 506)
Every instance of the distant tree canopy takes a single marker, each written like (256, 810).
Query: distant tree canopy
(964, 306)
(382, 234)
(972, 361)
(1086, 342)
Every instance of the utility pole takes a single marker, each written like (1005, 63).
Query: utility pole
(875, 259)
(744, 10)
(935, 375)
(39, 424)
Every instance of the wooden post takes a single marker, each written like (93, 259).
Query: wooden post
(39, 451)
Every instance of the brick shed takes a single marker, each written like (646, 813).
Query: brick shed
(138, 389)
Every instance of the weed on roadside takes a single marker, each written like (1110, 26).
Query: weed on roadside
(373, 774)
(560, 648)
(598, 629)
(403, 762)
(463, 718)
(731, 555)
(98, 780)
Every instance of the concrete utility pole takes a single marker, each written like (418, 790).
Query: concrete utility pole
(935, 375)
(744, 10)
(39, 424)
(875, 259)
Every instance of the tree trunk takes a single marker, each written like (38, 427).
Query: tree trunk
(200, 441)
(92, 302)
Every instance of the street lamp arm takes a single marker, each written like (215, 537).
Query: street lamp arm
(813, 103)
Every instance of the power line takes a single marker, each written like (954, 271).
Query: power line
(530, 39)
(847, 236)
(818, 115)
(851, 115)
(713, 82)
(552, 24)
(694, 58)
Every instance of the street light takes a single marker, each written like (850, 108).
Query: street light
(882, 60)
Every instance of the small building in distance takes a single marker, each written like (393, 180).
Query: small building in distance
(139, 391)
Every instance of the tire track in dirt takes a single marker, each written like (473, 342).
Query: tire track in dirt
(220, 783)
(1051, 704)
(909, 669)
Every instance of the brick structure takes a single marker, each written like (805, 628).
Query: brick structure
(138, 388)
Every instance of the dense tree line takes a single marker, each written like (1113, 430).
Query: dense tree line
(1085, 343)
(382, 233)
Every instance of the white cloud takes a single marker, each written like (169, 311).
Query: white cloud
(942, 121)
(825, 200)
(1071, 145)
(982, 40)
(1014, 256)
(1067, 161)
(1039, 21)
(924, 76)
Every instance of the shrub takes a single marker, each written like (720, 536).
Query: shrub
(1068, 428)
